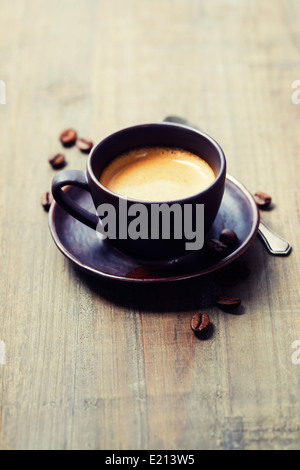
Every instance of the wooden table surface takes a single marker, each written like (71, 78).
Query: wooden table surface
(97, 365)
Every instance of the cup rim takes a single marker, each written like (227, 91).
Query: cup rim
(221, 174)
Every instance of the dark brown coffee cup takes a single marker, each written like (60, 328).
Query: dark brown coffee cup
(144, 135)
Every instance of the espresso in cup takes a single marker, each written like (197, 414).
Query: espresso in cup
(180, 190)
(157, 174)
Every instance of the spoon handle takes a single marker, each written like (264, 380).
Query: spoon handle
(275, 244)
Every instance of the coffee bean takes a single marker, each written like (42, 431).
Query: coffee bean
(57, 161)
(262, 199)
(46, 200)
(228, 301)
(200, 322)
(141, 272)
(68, 137)
(84, 145)
(216, 246)
(228, 237)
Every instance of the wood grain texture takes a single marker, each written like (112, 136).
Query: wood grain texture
(93, 365)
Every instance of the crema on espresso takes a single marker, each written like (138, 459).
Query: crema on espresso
(157, 174)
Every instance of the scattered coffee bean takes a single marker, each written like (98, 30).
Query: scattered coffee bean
(228, 301)
(228, 237)
(141, 272)
(84, 145)
(46, 200)
(200, 322)
(262, 199)
(68, 137)
(216, 246)
(57, 161)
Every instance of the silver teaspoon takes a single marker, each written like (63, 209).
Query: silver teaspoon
(274, 243)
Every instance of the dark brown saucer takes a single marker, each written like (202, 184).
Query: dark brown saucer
(97, 257)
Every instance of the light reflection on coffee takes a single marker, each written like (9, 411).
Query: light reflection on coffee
(157, 174)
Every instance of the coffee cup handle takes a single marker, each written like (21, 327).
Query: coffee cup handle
(73, 178)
